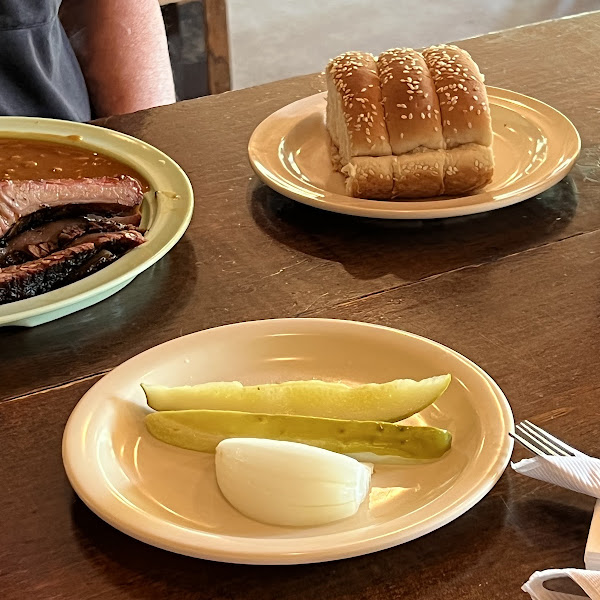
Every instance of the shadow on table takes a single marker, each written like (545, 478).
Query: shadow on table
(150, 300)
(413, 249)
(433, 560)
(538, 520)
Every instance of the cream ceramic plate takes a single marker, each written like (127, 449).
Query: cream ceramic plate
(165, 214)
(534, 148)
(168, 497)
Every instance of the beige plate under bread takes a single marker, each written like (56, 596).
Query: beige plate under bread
(535, 146)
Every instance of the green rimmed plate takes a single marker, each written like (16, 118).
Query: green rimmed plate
(166, 213)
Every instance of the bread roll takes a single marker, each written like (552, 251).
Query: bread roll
(409, 125)
(412, 111)
(419, 174)
(355, 117)
(370, 177)
(461, 92)
(467, 167)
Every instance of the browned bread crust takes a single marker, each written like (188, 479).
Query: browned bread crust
(409, 124)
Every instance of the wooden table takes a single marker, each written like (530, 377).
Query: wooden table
(516, 290)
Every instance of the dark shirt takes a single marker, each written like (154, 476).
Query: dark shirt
(39, 74)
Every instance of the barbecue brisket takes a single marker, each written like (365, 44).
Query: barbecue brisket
(25, 204)
(35, 277)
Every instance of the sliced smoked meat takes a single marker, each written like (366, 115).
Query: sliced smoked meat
(24, 204)
(49, 237)
(64, 266)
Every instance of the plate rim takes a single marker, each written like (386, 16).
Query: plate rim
(71, 451)
(21, 310)
(381, 209)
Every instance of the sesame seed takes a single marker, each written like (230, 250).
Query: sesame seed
(470, 125)
(410, 115)
(422, 115)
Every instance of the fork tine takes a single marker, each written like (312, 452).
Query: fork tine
(526, 443)
(562, 446)
(542, 440)
(540, 444)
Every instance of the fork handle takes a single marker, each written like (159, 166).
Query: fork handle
(592, 548)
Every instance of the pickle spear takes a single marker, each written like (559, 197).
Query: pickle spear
(202, 430)
(392, 401)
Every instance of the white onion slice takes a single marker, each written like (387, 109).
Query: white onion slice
(290, 484)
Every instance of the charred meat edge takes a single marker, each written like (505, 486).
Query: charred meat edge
(51, 272)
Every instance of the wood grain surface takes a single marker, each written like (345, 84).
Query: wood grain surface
(516, 290)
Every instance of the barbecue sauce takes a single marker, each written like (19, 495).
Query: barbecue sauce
(28, 158)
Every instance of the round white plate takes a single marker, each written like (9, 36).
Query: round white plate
(166, 213)
(168, 497)
(534, 146)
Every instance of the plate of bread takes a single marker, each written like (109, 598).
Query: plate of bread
(412, 135)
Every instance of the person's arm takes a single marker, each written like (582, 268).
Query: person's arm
(121, 46)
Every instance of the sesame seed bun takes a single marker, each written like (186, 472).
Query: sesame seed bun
(370, 177)
(462, 96)
(412, 111)
(409, 125)
(467, 168)
(419, 174)
(355, 117)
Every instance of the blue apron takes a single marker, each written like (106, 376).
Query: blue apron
(39, 74)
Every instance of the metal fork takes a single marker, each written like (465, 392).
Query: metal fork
(541, 442)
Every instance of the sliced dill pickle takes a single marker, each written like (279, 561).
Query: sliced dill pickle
(392, 401)
(202, 430)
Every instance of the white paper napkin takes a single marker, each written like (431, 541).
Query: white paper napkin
(592, 548)
(588, 581)
(580, 473)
